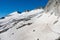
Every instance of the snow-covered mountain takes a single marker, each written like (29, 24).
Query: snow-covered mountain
(37, 24)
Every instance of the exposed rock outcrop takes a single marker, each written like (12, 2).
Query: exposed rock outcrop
(53, 5)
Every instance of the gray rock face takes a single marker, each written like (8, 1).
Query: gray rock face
(53, 5)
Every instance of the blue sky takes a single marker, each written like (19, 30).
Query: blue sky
(8, 6)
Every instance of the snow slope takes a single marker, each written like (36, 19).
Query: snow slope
(33, 25)
(37, 24)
